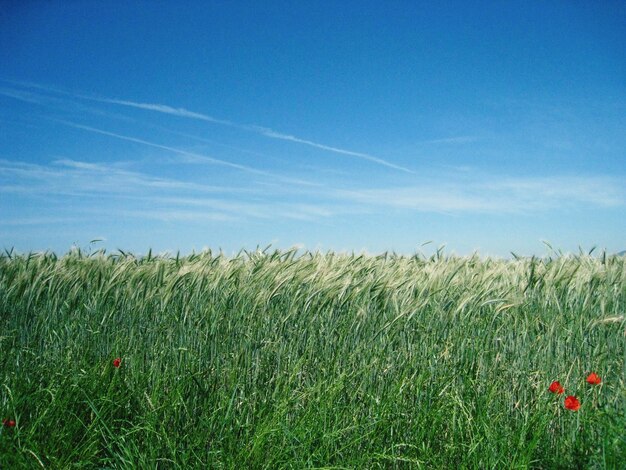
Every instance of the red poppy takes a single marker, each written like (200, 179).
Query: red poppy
(572, 403)
(9, 423)
(117, 362)
(556, 387)
(593, 379)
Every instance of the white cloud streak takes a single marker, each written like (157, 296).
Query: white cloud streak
(189, 157)
(68, 189)
(258, 209)
(74, 178)
(264, 131)
(22, 96)
(45, 220)
(446, 193)
(462, 139)
(597, 190)
(162, 108)
(277, 135)
(496, 195)
(260, 130)
(136, 195)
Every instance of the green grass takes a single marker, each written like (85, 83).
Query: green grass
(277, 360)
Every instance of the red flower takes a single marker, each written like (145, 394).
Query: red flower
(572, 403)
(117, 362)
(556, 387)
(593, 379)
(9, 423)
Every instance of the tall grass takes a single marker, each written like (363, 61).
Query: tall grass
(274, 360)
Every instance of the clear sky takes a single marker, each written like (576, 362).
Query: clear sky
(365, 126)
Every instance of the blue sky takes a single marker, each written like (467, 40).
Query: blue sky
(365, 126)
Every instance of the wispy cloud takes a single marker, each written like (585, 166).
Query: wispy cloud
(547, 190)
(175, 215)
(192, 155)
(486, 194)
(461, 139)
(260, 130)
(189, 157)
(212, 142)
(264, 131)
(162, 108)
(453, 190)
(58, 103)
(259, 209)
(77, 193)
(26, 96)
(277, 135)
(44, 220)
(68, 177)
(448, 193)
(126, 193)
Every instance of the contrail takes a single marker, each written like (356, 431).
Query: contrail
(192, 155)
(264, 131)
(277, 135)
(163, 108)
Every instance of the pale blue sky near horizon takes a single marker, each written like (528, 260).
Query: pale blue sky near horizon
(346, 126)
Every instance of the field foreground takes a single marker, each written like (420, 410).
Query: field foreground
(274, 360)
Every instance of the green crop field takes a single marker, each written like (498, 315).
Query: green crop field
(315, 360)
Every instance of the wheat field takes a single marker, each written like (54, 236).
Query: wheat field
(280, 359)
